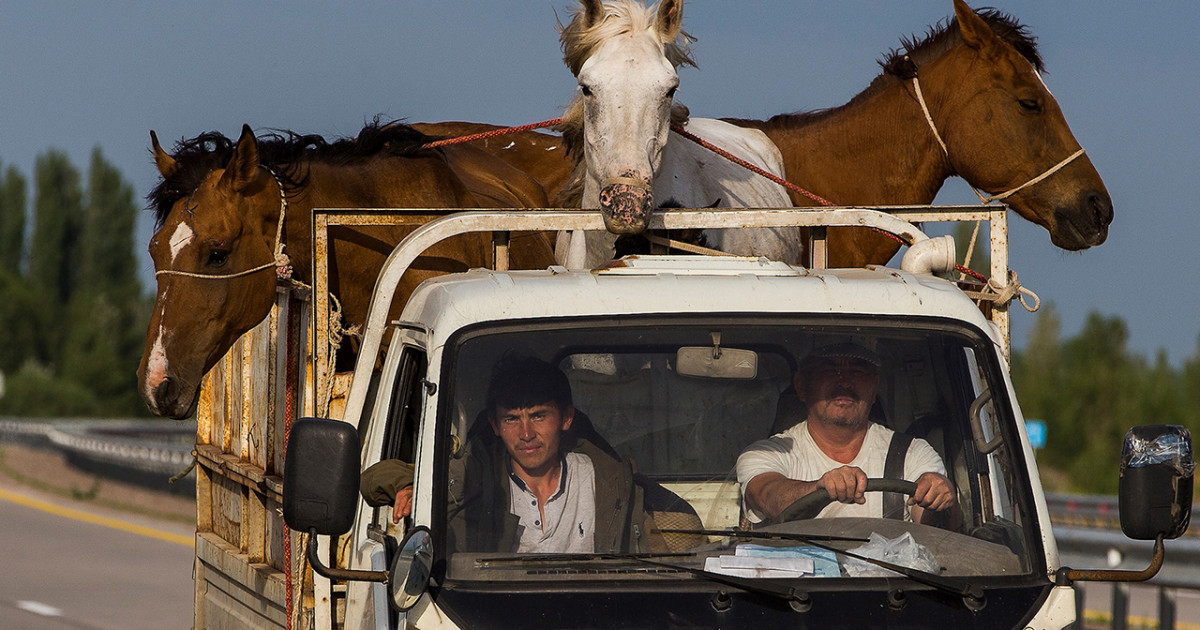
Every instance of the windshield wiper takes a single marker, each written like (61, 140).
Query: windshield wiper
(797, 599)
(573, 557)
(742, 533)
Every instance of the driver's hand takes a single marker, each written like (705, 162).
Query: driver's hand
(847, 484)
(403, 504)
(934, 492)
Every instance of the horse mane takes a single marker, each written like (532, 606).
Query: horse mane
(901, 64)
(579, 42)
(285, 152)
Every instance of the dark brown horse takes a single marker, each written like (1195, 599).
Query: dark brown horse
(218, 209)
(978, 75)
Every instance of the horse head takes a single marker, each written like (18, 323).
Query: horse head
(625, 58)
(214, 263)
(1004, 132)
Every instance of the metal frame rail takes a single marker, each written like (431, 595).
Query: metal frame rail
(433, 225)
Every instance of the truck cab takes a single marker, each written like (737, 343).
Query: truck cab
(678, 365)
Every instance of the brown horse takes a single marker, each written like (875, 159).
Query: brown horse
(1001, 126)
(978, 76)
(541, 155)
(218, 209)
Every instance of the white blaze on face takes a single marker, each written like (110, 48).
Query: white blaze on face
(627, 114)
(156, 364)
(182, 237)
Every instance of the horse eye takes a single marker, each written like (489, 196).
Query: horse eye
(585, 90)
(671, 92)
(1030, 105)
(217, 258)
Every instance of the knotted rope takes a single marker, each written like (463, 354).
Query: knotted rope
(1003, 294)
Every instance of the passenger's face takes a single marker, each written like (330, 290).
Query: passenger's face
(531, 435)
(839, 391)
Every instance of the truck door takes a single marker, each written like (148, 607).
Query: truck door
(390, 434)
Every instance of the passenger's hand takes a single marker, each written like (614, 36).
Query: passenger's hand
(934, 492)
(403, 505)
(847, 484)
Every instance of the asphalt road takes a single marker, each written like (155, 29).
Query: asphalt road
(62, 567)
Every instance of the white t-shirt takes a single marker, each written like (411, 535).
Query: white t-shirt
(795, 455)
(570, 513)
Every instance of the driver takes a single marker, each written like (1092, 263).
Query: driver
(837, 447)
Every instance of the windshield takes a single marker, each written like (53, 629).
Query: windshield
(640, 450)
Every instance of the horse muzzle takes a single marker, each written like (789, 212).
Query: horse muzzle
(169, 399)
(625, 203)
(1085, 225)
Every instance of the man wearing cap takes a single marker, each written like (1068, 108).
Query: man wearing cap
(837, 447)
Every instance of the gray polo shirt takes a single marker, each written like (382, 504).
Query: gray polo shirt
(570, 513)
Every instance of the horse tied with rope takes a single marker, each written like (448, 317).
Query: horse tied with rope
(234, 217)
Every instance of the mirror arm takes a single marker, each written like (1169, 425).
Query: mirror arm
(333, 573)
(1066, 576)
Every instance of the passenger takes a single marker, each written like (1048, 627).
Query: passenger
(838, 447)
(528, 484)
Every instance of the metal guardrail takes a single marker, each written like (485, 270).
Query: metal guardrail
(145, 446)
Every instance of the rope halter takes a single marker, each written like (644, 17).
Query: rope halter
(999, 196)
(279, 260)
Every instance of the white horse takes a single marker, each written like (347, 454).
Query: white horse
(624, 56)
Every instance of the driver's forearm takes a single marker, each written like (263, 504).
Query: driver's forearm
(769, 493)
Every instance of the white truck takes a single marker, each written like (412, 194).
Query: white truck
(677, 364)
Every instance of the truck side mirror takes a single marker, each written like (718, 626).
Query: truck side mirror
(1156, 481)
(320, 476)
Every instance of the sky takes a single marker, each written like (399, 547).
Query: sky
(79, 75)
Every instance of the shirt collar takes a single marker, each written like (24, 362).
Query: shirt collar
(562, 476)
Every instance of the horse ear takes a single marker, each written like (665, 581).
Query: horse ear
(975, 32)
(593, 12)
(243, 166)
(670, 19)
(167, 166)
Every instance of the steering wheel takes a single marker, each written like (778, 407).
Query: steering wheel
(812, 503)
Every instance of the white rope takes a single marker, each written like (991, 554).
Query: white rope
(970, 251)
(999, 196)
(1003, 294)
(279, 260)
(1052, 170)
(336, 333)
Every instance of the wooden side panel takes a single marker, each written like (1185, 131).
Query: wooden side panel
(241, 569)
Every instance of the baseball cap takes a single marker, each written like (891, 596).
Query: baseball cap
(846, 349)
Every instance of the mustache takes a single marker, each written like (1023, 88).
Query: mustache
(844, 390)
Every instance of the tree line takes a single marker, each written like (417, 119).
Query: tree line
(1090, 389)
(73, 312)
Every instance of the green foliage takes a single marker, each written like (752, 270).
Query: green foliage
(19, 328)
(58, 208)
(1090, 390)
(35, 391)
(72, 325)
(12, 221)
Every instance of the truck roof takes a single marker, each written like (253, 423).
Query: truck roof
(683, 284)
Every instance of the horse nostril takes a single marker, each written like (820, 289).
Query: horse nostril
(166, 391)
(1102, 208)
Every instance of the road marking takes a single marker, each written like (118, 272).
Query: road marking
(80, 515)
(38, 608)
